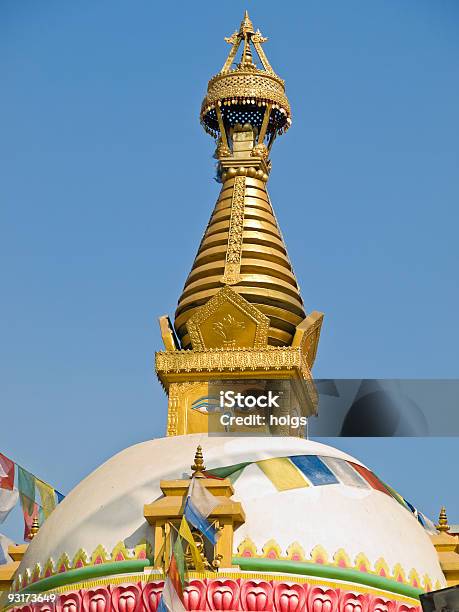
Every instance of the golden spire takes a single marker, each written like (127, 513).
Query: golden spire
(243, 247)
(442, 520)
(240, 314)
(198, 466)
(34, 528)
(246, 31)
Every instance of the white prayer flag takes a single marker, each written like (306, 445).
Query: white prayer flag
(201, 499)
(8, 499)
(170, 600)
(4, 545)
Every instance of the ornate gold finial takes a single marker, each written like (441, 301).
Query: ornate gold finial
(245, 90)
(34, 528)
(442, 520)
(198, 466)
(246, 25)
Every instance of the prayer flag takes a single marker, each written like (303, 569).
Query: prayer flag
(26, 486)
(314, 469)
(47, 497)
(282, 473)
(395, 495)
(199, 504)
(428, 525)
(180, 559)
(60, 497)
(6, 473)
(8, 499)
(185, 533)
(226, 472)
(345, 473)
(372, 480)
(4, 545)
(172, 595)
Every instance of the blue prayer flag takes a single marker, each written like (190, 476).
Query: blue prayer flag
(198, 521)
(314, 469)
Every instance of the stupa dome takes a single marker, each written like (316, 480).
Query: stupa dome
(333, 525)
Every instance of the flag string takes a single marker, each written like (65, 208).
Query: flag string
(37, 498)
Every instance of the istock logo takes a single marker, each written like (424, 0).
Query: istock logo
(231, 399)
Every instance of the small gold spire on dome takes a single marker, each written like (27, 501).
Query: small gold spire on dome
(198, 466)
(34, 528)
(442, 520)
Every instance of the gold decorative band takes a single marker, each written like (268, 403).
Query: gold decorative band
(232, 274)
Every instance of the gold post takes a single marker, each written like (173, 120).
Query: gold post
(221, 126)
(264, 125)
(442, 520)
(198, 467)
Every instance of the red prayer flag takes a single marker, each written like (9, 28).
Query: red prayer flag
(6, 473)
(372, 480)
(174, 576)
(212, 476)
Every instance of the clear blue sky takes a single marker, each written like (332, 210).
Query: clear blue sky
(106, 186)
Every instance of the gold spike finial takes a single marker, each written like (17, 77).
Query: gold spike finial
(34, 528)
(198, 466)
(442, 520)
(246, 25)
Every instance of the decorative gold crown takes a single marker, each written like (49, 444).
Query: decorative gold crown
(242, 92)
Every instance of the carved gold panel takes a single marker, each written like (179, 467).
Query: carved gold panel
(228, 321)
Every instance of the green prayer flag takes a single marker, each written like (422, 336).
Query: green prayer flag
(180, 558)
(229, 470)
(26, 486)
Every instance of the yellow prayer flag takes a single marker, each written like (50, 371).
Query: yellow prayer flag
(282, 473)
(186, 534)
(47, 496)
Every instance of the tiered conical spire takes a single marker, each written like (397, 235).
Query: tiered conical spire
(261, 272)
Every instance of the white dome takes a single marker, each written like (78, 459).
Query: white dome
(106, 508)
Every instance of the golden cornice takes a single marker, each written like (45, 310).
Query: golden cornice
(271, 361)
(246, 85)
